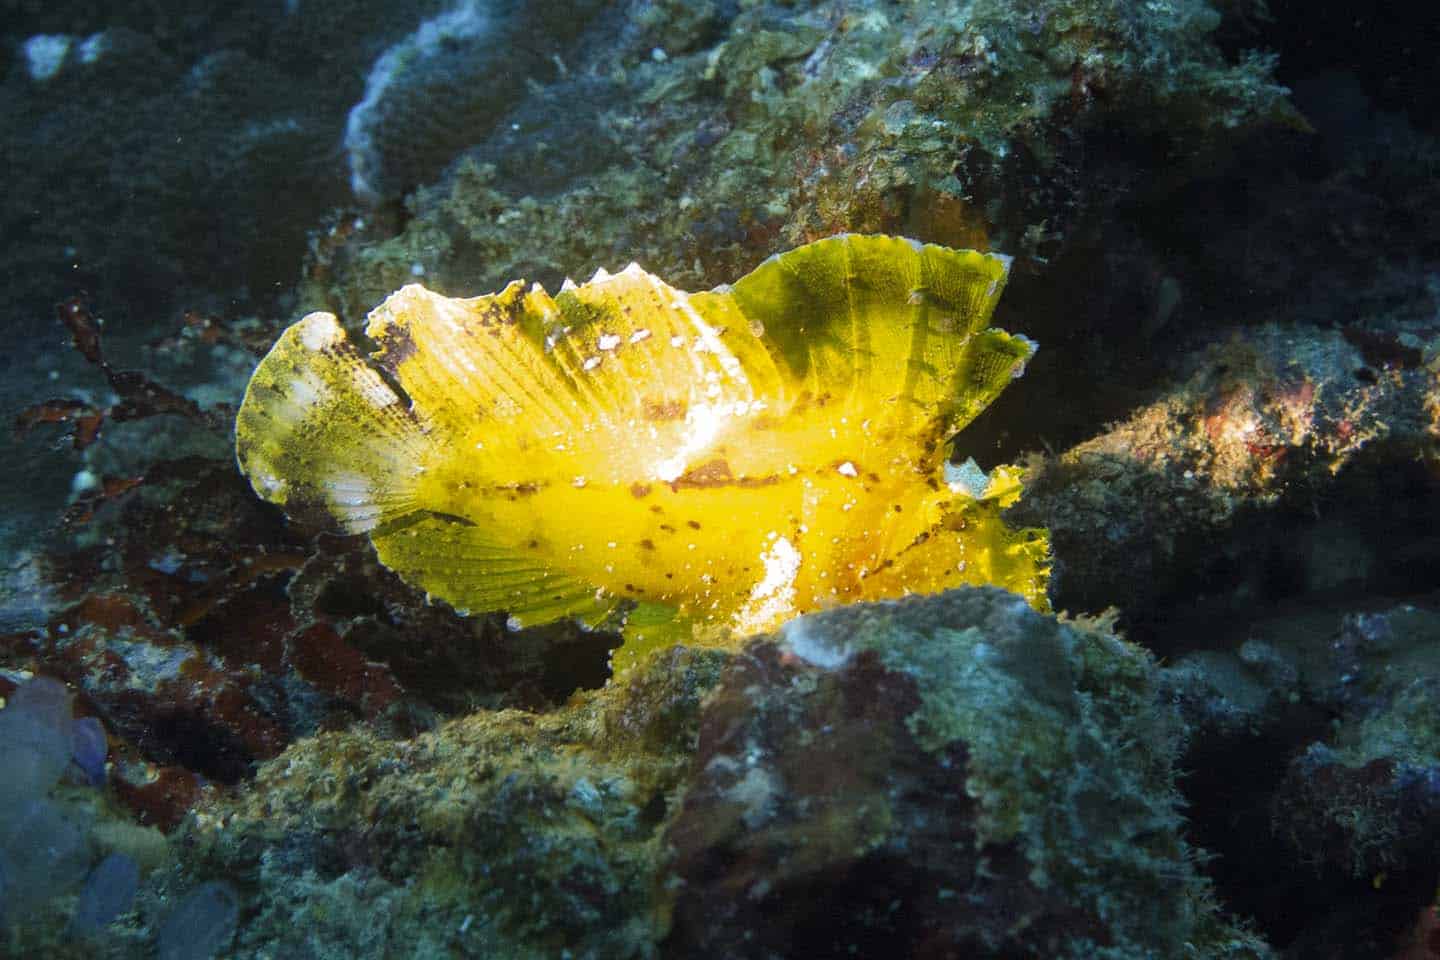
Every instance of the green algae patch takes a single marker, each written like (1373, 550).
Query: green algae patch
(497, 834)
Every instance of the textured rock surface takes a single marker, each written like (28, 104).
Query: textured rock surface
(443, 87)
(955, 773)
(499, 834)
(186, 153)
(1202, 494)
(1314, 743)
(947, 776)
(699, 138)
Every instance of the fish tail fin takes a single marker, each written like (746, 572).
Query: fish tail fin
(320, 432)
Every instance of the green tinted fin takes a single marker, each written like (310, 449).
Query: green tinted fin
(866, 317)
(649, 627)
(988, 361)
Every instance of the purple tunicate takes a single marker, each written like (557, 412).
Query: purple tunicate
(32, 755)
(108, 892)
(44, 698)
(46, 853)
(34, 740)
(88, 750)
(201, 924)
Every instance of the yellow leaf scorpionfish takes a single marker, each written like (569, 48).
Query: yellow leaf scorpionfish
(630, 454)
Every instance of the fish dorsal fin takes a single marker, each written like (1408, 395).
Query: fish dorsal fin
(895, 328)
(664, 383)
(618, 380)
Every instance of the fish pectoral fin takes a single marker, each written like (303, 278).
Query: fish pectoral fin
(461, 564)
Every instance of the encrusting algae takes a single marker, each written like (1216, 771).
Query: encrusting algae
(626, 452)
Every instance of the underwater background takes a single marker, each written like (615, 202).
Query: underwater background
(227, 732)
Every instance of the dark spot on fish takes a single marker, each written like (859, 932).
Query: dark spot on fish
(899, 509)
(667, 528)
(656, 508)
(490, 316)
(692, 524)
(883, 565)
(647, 544)
(514, 491)
(716, 473)
(639, 490)
(712, 473)
(669, 576)
(533, 544)
(399, 347)
(873, 477)
(663, 408)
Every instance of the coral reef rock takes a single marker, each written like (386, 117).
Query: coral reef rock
(695, 138)
(498, 834)
(1207, 495)
(954, 775)
(442, 87)
(1315, 743)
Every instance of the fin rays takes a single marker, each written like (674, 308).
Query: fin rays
(463, 565)
(884, 318)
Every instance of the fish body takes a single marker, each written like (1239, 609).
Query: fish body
(728, 458)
